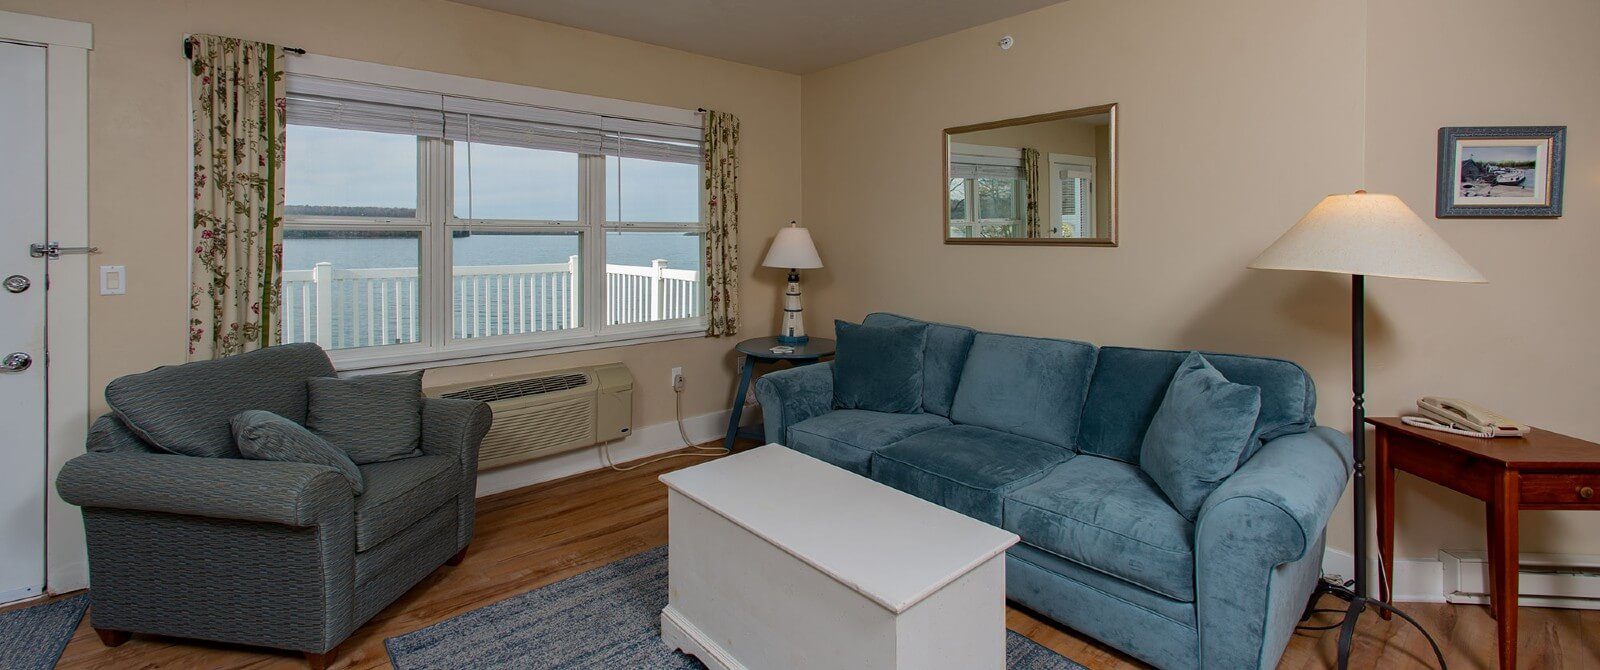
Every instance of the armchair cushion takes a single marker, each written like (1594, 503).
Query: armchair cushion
(265, 436)
(401, 492)
(879, 368)
(187, 409)
(1197, 436)
(1108, 516)
(372, 419)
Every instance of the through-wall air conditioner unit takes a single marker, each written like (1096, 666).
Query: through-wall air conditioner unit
(550, 412)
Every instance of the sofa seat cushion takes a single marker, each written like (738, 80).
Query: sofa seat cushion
(848, 437)
(965, 468)
(1025, 386)
(1108, 516)
(399, 493)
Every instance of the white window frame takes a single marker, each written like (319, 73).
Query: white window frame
(1058, 161)
(435, 221)
(972, 225)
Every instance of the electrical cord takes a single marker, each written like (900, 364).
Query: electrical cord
(697, 451)
(1358, 604)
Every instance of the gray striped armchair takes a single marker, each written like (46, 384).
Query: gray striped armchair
(264, 553)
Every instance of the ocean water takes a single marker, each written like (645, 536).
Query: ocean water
(302, 251)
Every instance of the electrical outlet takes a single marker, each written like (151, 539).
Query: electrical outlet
(677, 379)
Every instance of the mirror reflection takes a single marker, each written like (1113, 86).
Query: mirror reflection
(1042, 179)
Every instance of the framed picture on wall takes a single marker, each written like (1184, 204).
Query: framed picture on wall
(1500, 171)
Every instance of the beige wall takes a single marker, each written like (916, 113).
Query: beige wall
(1287, 102)
(139, 152)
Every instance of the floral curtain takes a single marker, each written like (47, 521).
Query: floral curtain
(721, 135)
(236, 266)
(1030, 174)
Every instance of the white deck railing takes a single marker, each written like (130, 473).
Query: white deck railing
(339, 308)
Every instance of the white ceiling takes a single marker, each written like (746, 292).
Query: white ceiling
(798, 36)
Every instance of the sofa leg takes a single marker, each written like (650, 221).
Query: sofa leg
(112, 638)
(321, 661)
(458, 558)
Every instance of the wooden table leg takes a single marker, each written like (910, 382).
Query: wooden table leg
(1503, 574)
(1383, 474)
(1489, 512)
(738, 401)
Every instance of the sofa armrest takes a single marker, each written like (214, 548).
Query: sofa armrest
(790, 396)
(291, 494)
(1255, 542)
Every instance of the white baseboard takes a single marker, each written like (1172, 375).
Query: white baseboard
(643, 442)
(1545, 580)
(1415, 580)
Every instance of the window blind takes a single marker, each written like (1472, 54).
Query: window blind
(964, 170)
(332, 103)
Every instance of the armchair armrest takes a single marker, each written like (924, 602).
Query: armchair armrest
(790, 396)
(291, 494)
(1258, 542)
(454, 427)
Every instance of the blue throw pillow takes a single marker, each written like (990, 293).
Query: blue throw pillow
(1198, 434)
(264, 436)
(879, 368)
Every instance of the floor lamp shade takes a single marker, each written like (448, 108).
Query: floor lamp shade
(1366, 234)
(793, 249)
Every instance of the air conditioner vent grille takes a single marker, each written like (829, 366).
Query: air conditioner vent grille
(522, 388)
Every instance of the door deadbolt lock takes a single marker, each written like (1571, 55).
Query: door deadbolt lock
(15, 362)
(17, 283)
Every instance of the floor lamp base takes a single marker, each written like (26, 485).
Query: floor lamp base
(1357, 606)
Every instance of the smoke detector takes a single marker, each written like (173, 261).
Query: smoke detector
(1006, 42)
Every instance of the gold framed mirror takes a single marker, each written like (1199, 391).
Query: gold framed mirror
(1042, 179)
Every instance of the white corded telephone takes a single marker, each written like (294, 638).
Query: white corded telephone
(1452, 415)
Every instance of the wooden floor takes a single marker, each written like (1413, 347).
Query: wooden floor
(532, 537)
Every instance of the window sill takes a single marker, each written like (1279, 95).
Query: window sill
(357, 362)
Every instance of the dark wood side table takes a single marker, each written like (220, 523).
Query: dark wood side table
(760, 350)
(1542, 470)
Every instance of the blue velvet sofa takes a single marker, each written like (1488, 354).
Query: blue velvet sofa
(1042, 437)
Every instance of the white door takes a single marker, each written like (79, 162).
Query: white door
(22, 285)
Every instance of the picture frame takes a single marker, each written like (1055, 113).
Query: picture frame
(1501, 171)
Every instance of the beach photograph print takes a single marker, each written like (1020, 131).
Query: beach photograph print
(1501, 172)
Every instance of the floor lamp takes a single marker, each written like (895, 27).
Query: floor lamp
(1365, 234)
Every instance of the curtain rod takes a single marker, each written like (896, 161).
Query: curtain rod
(188, 49)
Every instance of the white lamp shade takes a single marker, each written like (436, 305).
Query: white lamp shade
(1367, 234)
(793, 249)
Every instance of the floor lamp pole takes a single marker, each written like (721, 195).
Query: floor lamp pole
(1359, 600)
(1358, 419)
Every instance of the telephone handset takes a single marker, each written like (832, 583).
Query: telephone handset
(1453, 415)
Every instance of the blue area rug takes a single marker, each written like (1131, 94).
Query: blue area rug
(608, 617)
(32, 638)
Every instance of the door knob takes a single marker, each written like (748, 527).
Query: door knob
(16, 362)
(17, 283)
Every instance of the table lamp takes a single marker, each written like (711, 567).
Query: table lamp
(1361, 234)
(793, 249)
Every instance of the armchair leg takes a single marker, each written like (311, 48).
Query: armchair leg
(112, 638)
(458, 558)
(321, 661)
